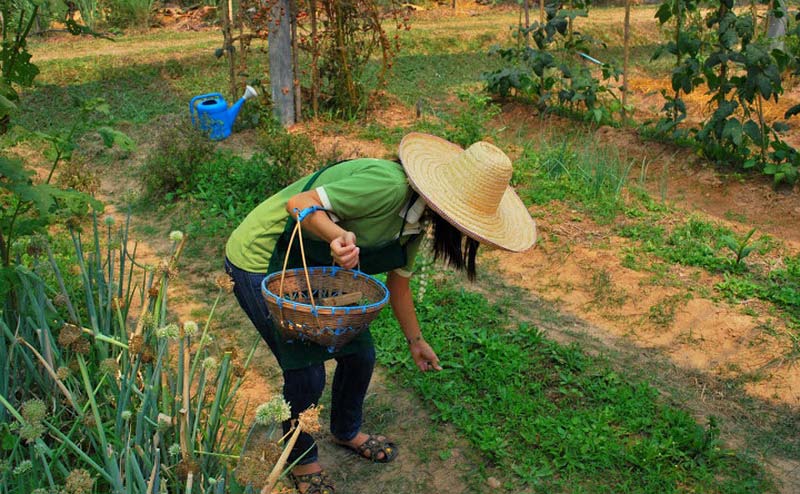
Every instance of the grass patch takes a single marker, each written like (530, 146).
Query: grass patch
(589, 177)
(703, 244)
(552, 417)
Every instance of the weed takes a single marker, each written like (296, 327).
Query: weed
(781, 286)
(734, 216)
(741, 247)
(604, 292)
(663, 313)
(631, 261)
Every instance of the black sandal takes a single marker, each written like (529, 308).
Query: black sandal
(373, 446)
(318, 483)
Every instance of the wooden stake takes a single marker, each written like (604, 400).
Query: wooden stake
(626, 56)
(275, 474)
(298, 98)
(314, 58)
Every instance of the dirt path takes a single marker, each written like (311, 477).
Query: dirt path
(422, 466)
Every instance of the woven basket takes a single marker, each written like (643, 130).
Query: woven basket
(293, 297)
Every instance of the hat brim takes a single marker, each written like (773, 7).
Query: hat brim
(425, 158)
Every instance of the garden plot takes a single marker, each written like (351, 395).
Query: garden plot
(686, 324)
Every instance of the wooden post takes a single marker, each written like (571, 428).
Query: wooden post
(776, 27)
(229, 48)
(298, 97)
(312, 6)
(541, 12)
(626, 55)
(527, 8)
(280, 62)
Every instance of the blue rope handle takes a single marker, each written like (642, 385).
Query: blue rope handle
(301, 215)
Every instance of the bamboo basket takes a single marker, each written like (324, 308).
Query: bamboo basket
(327, 305)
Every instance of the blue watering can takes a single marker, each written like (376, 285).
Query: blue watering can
(211, 113)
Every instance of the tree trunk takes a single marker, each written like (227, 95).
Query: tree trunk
(312, 10)
(229, 47)
(298, 96)
(527, 8)
(776, 26)
(626, 55)
(280, 63)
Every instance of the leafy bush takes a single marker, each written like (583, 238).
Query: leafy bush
(177, 156)
(228, 187)
(292, 153)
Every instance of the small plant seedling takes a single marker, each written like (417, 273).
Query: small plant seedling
(740, 246)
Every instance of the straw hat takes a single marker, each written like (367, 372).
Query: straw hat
(470, 189)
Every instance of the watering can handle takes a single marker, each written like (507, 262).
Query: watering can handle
(193, 107)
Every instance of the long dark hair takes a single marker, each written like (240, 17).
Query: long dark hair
(453, 247)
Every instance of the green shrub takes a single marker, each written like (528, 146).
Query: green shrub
(170, 167)
(229, 186)
(471, 123)
(291, 153)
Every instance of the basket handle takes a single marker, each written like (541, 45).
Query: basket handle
(298, 231)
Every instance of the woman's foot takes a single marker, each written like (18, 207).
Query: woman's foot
(311, 479)
(373, 448)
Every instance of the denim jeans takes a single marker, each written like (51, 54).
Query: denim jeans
(302, 388)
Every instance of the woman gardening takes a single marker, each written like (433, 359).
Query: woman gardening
(369, 214)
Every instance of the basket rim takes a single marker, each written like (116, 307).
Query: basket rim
(333, 271)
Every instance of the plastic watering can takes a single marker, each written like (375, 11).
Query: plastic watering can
(211, 113)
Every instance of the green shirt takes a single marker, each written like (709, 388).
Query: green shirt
(365, 196)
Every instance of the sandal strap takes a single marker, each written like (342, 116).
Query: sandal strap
(318, 483)
(373, 445)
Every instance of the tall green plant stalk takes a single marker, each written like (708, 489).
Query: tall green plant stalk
(134, 423)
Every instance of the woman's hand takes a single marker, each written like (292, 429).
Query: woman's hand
(424, 356)
(344, 250)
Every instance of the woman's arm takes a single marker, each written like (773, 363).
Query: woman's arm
(402, 301)
(342, 242)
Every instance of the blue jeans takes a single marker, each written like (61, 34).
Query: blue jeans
(302, 388)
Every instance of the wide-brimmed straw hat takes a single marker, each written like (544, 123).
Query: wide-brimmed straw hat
(470, 189)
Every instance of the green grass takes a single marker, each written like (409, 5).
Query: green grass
(700, 243)
(552, 418)
(581, 173)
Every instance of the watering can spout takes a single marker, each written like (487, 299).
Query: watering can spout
(234, 109)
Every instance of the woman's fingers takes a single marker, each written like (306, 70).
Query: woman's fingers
(424, 356)
(344, 250)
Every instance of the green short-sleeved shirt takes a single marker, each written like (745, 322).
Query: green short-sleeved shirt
(366, 196)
